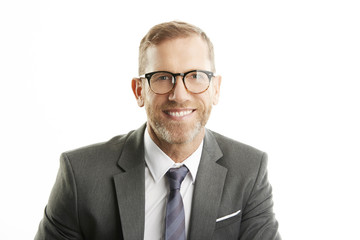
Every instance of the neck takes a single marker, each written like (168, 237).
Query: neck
(178, 152)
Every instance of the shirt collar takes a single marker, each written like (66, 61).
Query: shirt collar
(159, 163)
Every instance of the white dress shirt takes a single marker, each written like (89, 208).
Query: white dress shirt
(157, 187)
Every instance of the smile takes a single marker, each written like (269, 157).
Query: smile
(179, 113)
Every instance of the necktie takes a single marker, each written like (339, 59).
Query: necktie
(175, 216)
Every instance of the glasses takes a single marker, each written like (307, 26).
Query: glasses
(195, 81)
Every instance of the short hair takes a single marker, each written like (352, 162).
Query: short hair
(167, 31)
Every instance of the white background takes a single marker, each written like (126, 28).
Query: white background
(290, 87)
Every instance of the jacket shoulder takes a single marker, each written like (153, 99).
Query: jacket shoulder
(237, 154)
(228, 144)
(109, 150)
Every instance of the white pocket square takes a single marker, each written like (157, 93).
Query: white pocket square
(228, 216)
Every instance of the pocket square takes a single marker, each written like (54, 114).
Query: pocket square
(228, 216)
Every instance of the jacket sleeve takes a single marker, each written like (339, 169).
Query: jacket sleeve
(258, 222)
(60, 219)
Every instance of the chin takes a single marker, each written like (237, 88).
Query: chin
(177, 134)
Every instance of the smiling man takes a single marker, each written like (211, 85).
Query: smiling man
(172, 178)
(177, 107)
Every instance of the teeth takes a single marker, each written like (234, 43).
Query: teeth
(180, 114)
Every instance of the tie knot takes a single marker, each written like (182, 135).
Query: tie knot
(176, 176)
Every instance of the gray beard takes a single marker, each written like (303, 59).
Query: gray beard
(170, 137)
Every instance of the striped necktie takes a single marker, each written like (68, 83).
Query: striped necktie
(175, 216)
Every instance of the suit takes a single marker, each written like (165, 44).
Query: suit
(99, 193)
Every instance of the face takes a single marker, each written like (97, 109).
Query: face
(179, 116)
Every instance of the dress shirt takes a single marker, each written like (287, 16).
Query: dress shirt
(157, 187)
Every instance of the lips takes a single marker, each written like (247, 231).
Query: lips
(179, 113)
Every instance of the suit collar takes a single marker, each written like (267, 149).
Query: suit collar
(133, 150)
(211, 146)
(130, 186)
(208, 190)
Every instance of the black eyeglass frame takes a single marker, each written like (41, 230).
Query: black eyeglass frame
(148, 76)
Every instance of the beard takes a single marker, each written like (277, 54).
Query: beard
(177, 132)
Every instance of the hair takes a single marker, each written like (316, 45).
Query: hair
(167, 31)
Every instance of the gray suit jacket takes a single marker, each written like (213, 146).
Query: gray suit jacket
(99, 193)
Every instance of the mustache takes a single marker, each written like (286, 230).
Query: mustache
(176, 105)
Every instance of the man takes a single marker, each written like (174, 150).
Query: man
(172, 178)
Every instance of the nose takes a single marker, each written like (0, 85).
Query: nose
(179, 93)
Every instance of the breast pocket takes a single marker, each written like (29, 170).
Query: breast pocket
(228, 219)
(227, 228)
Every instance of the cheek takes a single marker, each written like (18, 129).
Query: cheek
(207, 99)
(149, 96)
(214, 97)
(154, 102)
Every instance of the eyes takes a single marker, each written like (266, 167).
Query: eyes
(198, 76)
(195, 81)
(163, 76)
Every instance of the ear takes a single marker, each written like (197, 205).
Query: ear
(136, 85)
(216, 89)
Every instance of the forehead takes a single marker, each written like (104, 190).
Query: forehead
(179, 55)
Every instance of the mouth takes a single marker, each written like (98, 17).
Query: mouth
(179, 113)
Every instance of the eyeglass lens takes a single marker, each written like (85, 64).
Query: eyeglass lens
(195, 82)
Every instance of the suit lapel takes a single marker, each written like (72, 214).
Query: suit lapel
(208, 190)
(130, 186)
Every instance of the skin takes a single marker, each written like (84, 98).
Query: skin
(177, 136)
